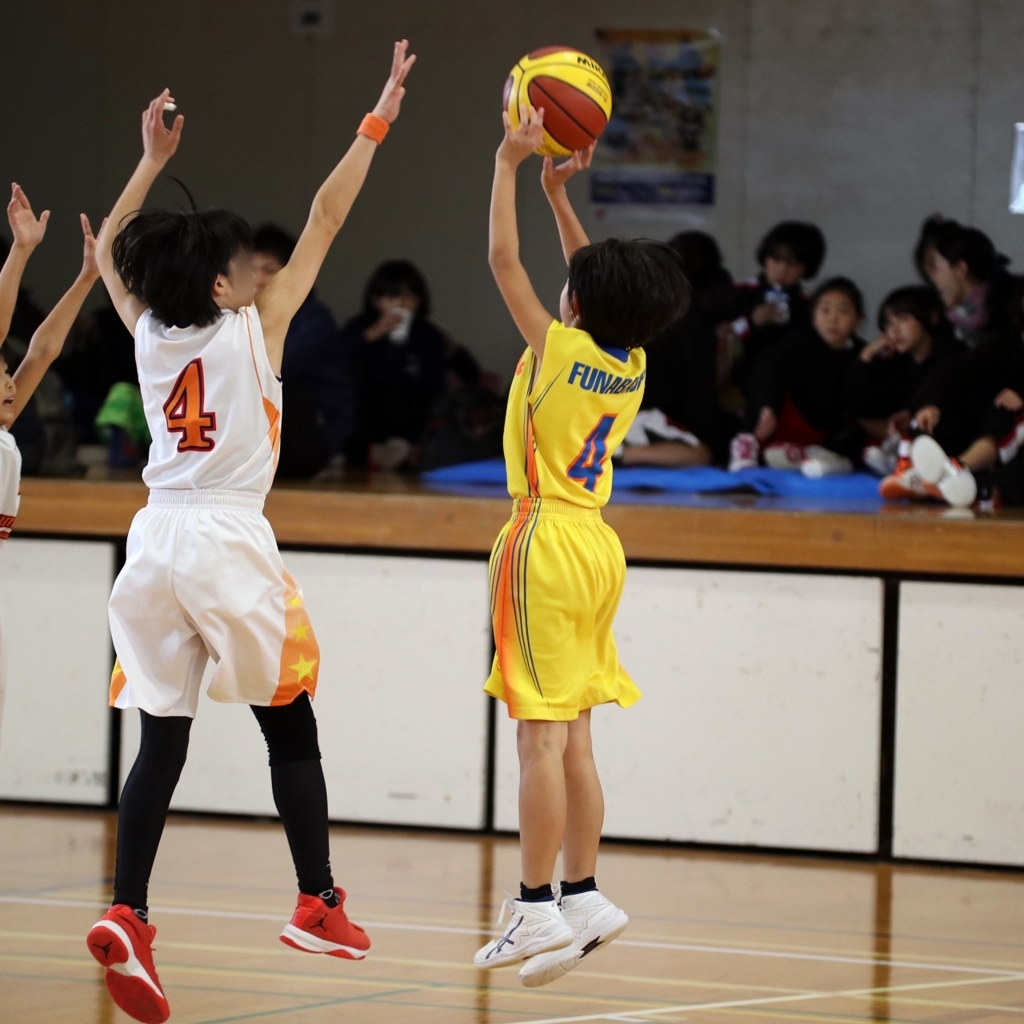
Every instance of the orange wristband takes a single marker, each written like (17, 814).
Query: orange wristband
(374, 127)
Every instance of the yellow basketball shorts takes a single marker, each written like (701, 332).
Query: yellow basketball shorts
(556, 573)
(204, 579)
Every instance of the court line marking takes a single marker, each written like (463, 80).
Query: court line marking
(632, 943)
(767, 1001)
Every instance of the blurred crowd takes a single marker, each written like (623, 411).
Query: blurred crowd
(766, 371)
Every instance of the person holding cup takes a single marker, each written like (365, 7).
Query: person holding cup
(401, 359)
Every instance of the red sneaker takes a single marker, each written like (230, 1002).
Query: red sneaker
(318, 928)
(123, 944)
(904, 483)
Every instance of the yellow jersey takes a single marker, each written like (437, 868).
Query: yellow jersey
(568, 415)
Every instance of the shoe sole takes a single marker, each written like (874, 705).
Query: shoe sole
(892, 490)
(929, 459)
(127, 981)
(557, 967)
(957, 487)
(298, 939)
(558, 942)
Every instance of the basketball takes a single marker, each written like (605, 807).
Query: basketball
(573, 90)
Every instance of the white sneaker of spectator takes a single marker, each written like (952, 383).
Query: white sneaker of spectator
(879, 461)
(744, 452)
(952, 482)
(784, 456)
(820, 462)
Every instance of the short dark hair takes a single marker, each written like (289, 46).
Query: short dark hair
(957, 244)
(700, 254)
(170, 261)
(842, 285)
(274, 241)
(627, 292)
(802, 240)
(918, 301)
(930, 230)
(393, 277)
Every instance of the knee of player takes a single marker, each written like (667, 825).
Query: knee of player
(536, 739)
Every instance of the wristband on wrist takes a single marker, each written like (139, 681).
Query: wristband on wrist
(374, 127)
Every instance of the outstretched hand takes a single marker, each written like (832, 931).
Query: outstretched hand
(90, 268)
(159, 142)
(390, 101)
(27, 229)
(520, 142)
(554, 175)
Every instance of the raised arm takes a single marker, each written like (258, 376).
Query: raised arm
(280, 300)
(158, 146)
(27, 232)
(553, 177)
(49, 337)
(532, 319)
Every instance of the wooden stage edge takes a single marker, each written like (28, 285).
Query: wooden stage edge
(900, 540)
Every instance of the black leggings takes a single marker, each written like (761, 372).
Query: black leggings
(296, 776)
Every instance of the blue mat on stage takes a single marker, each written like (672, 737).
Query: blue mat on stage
(698, 480)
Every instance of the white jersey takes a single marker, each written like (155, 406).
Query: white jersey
(10, 483)
(212, 403)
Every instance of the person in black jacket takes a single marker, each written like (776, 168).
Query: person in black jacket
(402, 362)
(769, 306)
(890, 381)
(681, 422)
(798, 403)
(972, 418)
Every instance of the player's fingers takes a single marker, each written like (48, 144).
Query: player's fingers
(179, 123)
(43, 218)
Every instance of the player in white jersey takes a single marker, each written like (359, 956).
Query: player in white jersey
(44, 347)
(203, 578)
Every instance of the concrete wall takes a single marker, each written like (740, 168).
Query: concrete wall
(865, 115)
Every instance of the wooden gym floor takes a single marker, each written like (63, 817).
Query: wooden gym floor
(714, 937)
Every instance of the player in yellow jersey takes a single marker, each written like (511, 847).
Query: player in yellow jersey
(557, 570)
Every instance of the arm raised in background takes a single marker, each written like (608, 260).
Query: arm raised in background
(159, 144)
(553, 178)
(280, 300)
(532, 319)
(28, 232)
(49, 337)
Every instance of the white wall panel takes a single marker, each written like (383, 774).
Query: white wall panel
(54, 738)
(405, 650)
(760, 719)
(960, 705)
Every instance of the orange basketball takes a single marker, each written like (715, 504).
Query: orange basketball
(573, 90)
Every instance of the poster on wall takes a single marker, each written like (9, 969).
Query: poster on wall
(658, 155)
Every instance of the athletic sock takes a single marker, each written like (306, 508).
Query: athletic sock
(576, 888)
(142, 913)
(330, 897)
(541, 894)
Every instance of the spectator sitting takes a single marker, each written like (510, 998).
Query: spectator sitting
(970, 276)
(316, 380)
(888, 383)
(403, 362)
(770, 305)
(799, 409)
(681, 422)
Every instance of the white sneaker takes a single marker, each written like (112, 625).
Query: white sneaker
(783, 456)
(594, 922)
(744, 452)
(534, 928)
(954, 483)
(820, 462)
(879, 461)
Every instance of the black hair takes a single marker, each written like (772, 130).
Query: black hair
(711, 283)
(627, 292)
(393, 277)
(800, 240)
(957, 244)
(842, 285)
(274, 241)
(920, 302)
(170, 261)
(926, 237)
